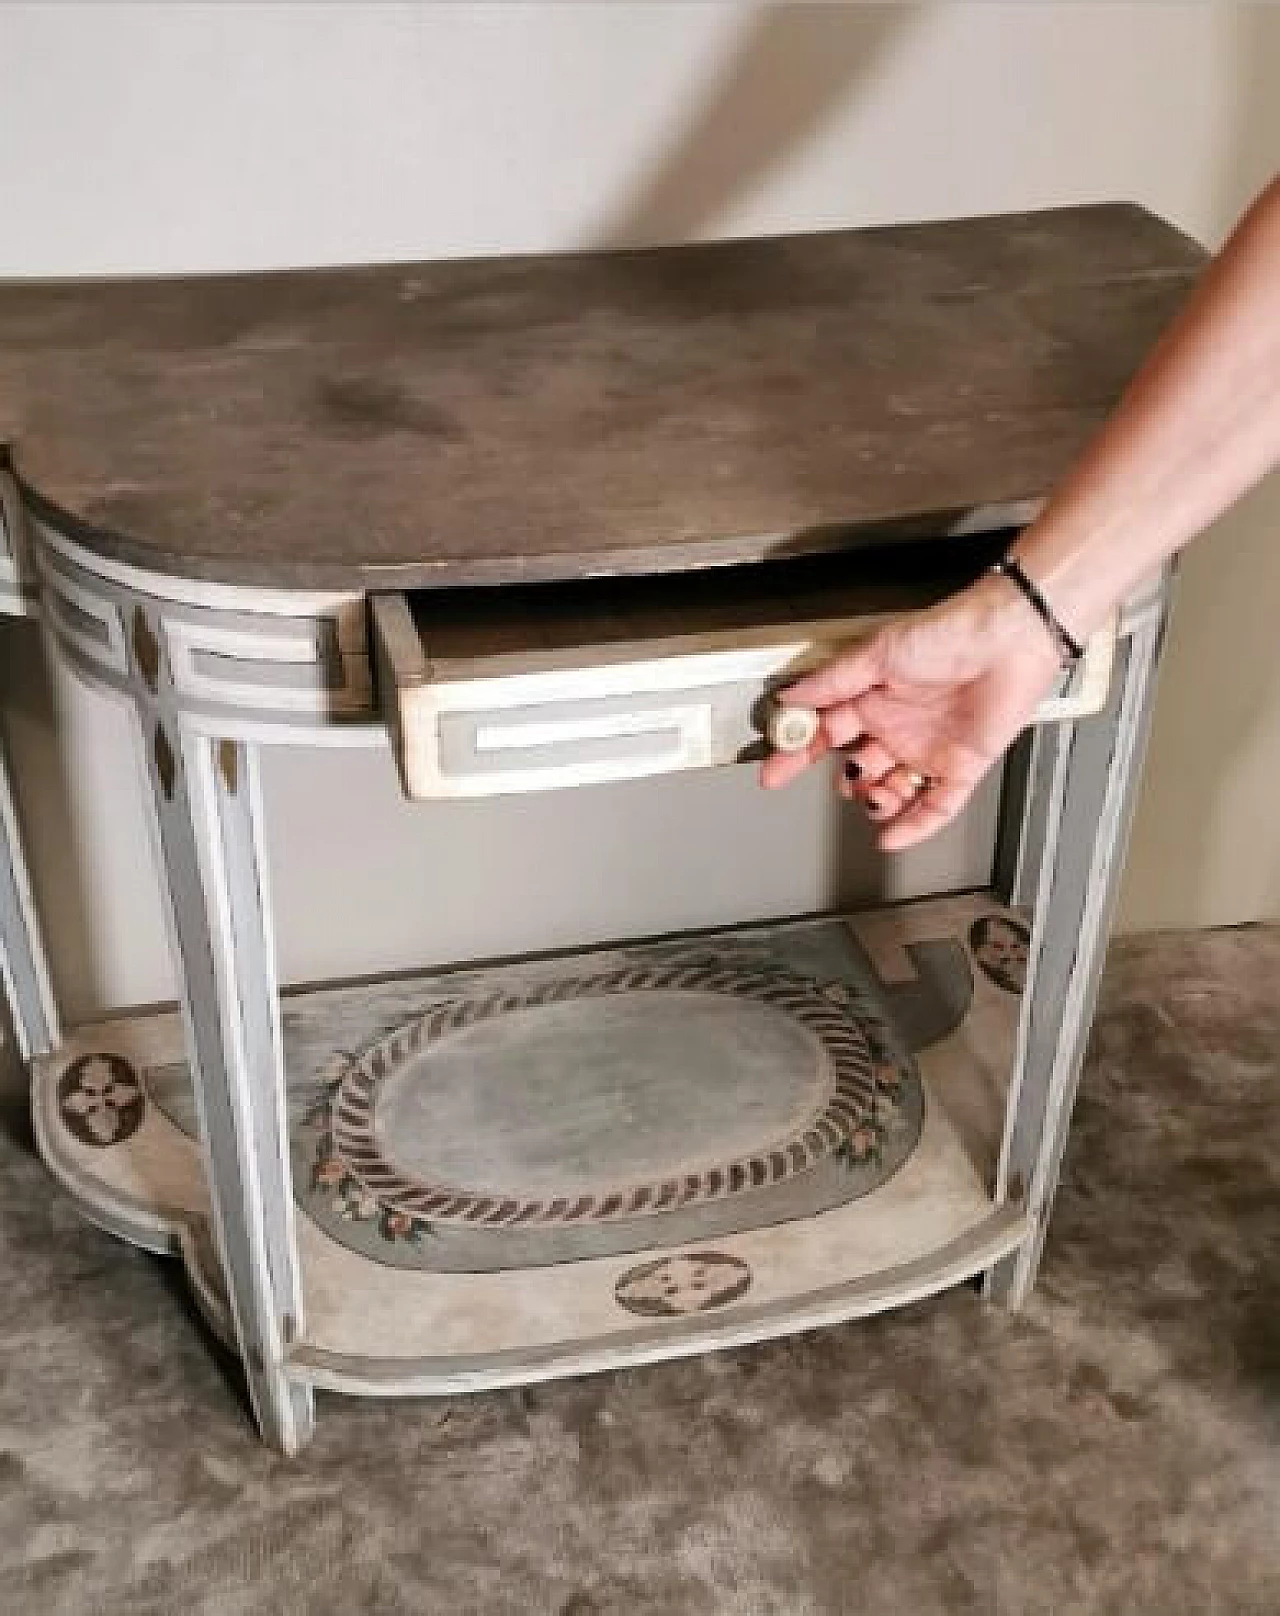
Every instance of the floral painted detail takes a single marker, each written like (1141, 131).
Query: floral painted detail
(696, 1282)
(101, 1100)
(863, 1146)
(350, 1198)
(889, 1076)
(1002, 948)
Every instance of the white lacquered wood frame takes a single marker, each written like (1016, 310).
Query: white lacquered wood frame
(212, 671)
(209, 673)
(1065, 831)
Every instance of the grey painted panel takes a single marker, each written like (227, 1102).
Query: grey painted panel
(725, 713)
(238, 669)
(598, 1091)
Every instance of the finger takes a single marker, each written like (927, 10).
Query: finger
(843, 679)
(842, 724)
(904, 782)
(882, 803)
(871, 760)
(879, 803)
(781, 768)
(849, 781)
(930, 812)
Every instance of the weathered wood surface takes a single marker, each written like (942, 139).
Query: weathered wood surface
(484, 421)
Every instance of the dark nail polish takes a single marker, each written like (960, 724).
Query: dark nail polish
(852, 771)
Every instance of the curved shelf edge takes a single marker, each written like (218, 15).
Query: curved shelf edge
(184, 1233)
(167, 1231)
(416, 1327)
(952, 1264)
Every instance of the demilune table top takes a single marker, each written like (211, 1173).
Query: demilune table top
(485, 421)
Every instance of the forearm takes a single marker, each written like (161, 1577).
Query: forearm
(1199, 425)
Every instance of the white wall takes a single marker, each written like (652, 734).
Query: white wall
(197, 137)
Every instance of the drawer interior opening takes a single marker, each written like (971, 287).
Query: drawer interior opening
(456, 626)
(545, 685)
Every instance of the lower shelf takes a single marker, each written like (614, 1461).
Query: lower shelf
(573, 1163)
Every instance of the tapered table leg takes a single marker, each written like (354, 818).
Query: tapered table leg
(1062, 858)
(208, 817)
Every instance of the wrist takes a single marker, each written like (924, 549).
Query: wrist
(1069, 649)
(989, 622)
(1077, 571)
(1008, 621)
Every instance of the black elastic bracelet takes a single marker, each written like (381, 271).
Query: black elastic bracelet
(1011, 568)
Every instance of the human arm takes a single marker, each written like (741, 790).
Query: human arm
(945, 691)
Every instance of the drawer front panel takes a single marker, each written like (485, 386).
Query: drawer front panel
(540, 746)
(590, 715)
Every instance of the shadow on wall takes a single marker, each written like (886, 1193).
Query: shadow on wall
(795, 65)
(1209, 790)
(1207, 820)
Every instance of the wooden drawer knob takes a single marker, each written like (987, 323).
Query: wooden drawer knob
(790, 729)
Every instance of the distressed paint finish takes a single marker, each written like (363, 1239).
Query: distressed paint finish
(614, 687)
(241, 663)
(435, 427)
(1078, 809)
(218, 906)
(207, 822)
(204, 785)
(210, 671)
(436, 1325)
(415, 425)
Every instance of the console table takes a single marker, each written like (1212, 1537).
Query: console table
(536, 524)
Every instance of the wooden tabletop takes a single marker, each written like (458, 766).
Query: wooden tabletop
(518, 418)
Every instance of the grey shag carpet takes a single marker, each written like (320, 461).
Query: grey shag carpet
(1114, 1448)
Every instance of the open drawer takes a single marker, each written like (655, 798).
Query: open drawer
(533, 686)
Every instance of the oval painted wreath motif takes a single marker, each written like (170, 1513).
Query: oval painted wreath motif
(863, 1090)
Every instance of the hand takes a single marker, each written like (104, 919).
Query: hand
(940, 694)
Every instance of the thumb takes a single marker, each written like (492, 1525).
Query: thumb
(845, 678)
